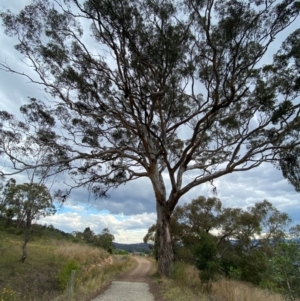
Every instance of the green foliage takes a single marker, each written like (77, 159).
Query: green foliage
(151, 237)
(37, 231)
(178, 272)
(120, 252)
(290, 166)
(14, 230)
(5, 209)
(283, 270)
(253, 266)
(200, 213)
(64, 275)
(88, 235)
(105, 240)
(231, 250)
(183, 253)
(10, 230)
(206, 257)
(26, 201)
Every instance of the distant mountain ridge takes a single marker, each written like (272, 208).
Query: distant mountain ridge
(139, 247)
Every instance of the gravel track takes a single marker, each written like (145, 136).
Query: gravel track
(126, 291)
(134, 285)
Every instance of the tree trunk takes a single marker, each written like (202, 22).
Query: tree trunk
(26, 238)
(24, 252)
(164, 240)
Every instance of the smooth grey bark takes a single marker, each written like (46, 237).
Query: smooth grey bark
(164, 239)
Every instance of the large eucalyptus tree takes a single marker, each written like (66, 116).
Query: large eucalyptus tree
(160, 89)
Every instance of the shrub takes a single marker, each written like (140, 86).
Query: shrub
(206, 257)
(10, 230)
(65, 273)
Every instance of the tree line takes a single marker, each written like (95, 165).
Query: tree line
(103, 240)
(21, 204)
(252, 244)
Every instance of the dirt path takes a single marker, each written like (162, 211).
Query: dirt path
(139, 273)
(133, 285)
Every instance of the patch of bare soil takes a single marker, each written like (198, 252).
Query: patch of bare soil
(142, 273)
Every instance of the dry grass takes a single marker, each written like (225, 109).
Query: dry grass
(83, 254)
(92, 278)
(37, 278)
(230, 290)
(185, 285)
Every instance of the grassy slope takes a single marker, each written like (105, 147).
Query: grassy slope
(37, 278)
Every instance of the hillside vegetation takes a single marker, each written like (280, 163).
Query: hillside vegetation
(254, 245)
(185, 285)
(51, 256)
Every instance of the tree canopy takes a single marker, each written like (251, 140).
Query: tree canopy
(156, 87)
(26, 202)
(191, 221)
(103, 240)
(245, 244)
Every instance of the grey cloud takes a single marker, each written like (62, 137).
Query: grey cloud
(133, 198)
(244, 189)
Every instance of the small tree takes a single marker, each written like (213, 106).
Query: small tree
(28, 202)
(206, 257)
(283, 270)
(130, 105)
(105, 240)
(88, 235)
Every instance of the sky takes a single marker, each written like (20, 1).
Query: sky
(130, 209)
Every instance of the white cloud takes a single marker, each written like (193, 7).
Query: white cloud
(126, 229)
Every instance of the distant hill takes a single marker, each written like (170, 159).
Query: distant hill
(141, 247)
(51, 232)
